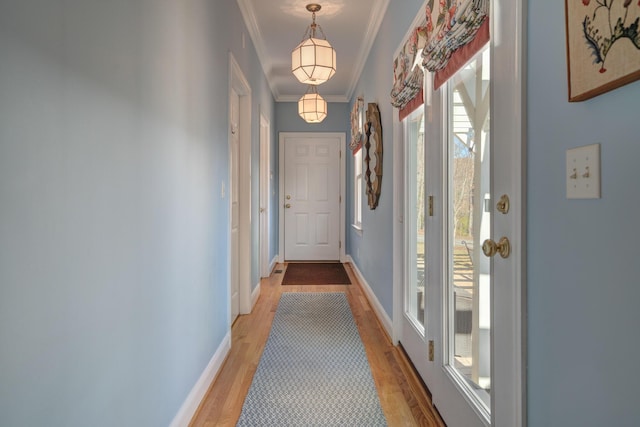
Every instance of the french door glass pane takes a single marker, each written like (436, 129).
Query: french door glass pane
(469, 307)
(414, 299)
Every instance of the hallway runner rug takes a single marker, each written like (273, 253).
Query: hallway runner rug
(315, 273)
(314, 369)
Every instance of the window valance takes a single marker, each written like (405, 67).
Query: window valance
(456, 31)
(408, 75)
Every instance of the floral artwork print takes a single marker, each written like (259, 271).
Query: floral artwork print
(603, 45)
(614, 27)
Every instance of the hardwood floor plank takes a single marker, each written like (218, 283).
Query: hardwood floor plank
(403, 397)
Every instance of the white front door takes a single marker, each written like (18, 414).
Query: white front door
(312, 196)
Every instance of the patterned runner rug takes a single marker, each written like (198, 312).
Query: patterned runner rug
(314, 370)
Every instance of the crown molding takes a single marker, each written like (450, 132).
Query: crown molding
(378, 10)
(251, 22)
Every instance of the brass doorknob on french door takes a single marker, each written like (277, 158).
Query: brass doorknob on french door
(503, 247)
(287, 206)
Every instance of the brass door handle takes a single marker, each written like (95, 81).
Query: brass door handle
(503, 247)
(287, 206)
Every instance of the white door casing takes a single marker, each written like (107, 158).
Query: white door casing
(311, 193)
(234, 182)
(241, 265)
(265, 190)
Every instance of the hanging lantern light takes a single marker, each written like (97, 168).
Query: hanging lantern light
(312, 107)
(314, 60)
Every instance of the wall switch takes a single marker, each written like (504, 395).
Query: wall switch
(583, 172)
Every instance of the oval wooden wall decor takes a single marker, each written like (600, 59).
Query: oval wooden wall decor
(373, 154)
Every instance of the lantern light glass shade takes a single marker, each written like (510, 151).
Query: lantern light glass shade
(313, 61)
(312, 107)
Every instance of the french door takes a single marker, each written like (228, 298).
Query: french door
(462, 288)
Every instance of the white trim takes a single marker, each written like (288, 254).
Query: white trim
(199, 390)
(239, 83)
(378, 10)
(265, 196)
(251, 22)
(343, 169)
(255, 295)
(383, 317)
(273, 263)
(398, 227)
(508, 119)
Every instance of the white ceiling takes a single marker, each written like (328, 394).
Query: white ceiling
(277, 27)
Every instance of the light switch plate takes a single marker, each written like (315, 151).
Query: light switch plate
(583, 172)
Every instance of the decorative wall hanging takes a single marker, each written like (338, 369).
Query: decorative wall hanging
(357, 124)
(603, 46)
(373, 154)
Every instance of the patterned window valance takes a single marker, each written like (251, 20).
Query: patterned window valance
(408, 76)
(456, 31)
(357, 124)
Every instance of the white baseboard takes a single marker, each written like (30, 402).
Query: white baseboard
(255, 295)
(190, 405)
(272, 264)
(384, 319)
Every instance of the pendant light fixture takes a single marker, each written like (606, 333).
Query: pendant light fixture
(312, 107)
(313, 61)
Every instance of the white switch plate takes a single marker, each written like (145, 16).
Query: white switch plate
(583, 172)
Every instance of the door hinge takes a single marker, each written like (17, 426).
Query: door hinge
(431, 351)
(339, 244)
(340, 199)
(430, 205)
(340, 153)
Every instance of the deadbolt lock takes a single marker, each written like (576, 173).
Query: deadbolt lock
(503, 204)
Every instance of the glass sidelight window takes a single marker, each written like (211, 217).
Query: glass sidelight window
(416, 254)
(468, 299)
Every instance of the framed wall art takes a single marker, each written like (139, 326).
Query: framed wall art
(603, 45)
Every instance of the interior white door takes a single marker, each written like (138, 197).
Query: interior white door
(265, 194)
(234, 183)
(312, 198)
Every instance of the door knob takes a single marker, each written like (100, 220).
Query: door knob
(287, 206)
(503, 247)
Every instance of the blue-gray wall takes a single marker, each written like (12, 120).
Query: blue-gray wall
(288, 120)
(583, 284)
(113, 232)
(373, 250)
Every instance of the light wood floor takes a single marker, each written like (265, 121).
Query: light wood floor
(404, 400)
